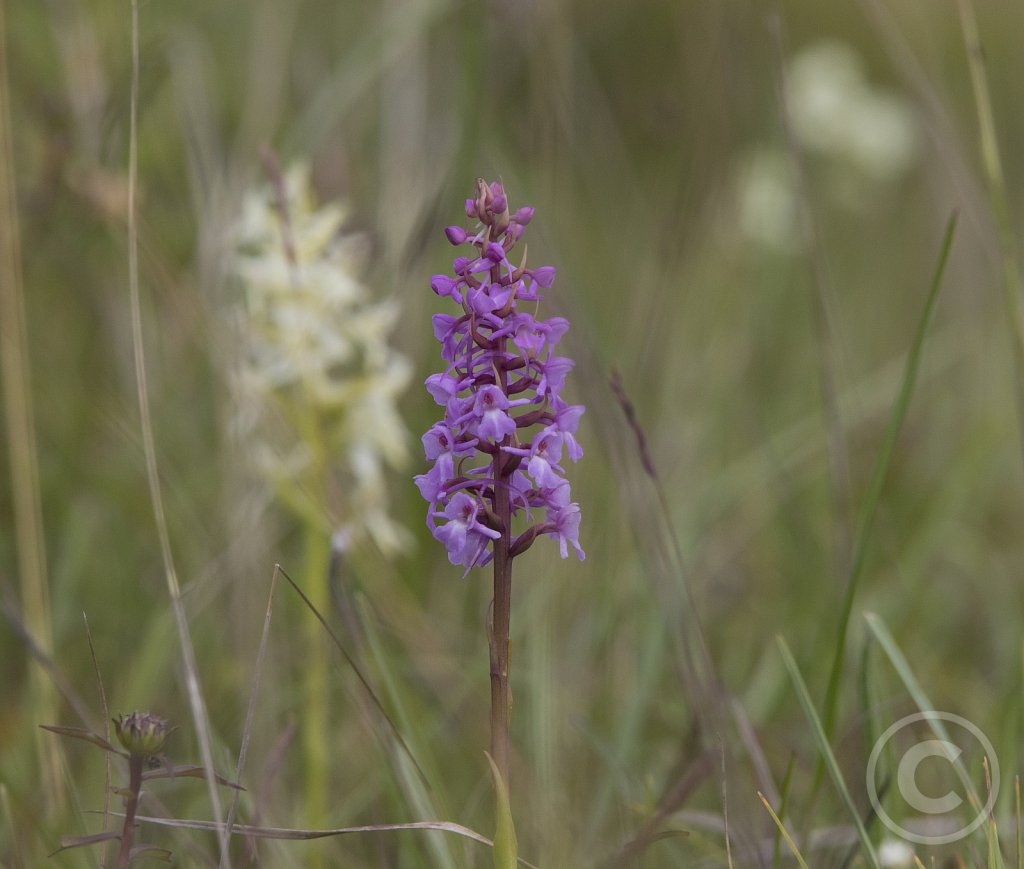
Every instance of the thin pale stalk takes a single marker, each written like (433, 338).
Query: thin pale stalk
(195, 694)
(251, 708)
(998, 200)
(21, 438)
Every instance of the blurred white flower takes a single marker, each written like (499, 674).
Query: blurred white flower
(317, 389)
(766, 199)
(861, 135)
(836, 112)
(895, 854)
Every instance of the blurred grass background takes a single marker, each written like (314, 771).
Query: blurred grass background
(632, 129)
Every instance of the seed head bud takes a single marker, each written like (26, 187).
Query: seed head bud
(141, 733)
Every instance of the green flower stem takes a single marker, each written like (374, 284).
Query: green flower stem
(316, 561)
(317, 556)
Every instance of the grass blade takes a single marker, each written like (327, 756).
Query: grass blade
(997, 192)
(197, 704)
(831, 764)
(251, 708)
(505, 847)
(874, 493)
(414, 782)
(783, 832)
(303, 835)
(19, 420)
(924, 705)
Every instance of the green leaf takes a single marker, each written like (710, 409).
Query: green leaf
(87, 735)
(505, 847)
(151, 852)
(187, 771)
(69, 842)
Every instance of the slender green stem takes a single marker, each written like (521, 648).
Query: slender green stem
(124, 857)
(195, 694)
(316, 556)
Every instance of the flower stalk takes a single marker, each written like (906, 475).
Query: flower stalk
(496, 453)
(142, 736)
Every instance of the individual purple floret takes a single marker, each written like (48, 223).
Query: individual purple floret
(497, 453)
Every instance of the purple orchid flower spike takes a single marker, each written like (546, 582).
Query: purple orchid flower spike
(501, 391)
(496, 454)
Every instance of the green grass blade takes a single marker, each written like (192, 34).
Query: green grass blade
(995, 856)
(831, 764)
(781, 829)
(874, 493)
(924, 705)
(787, 781)
(413, 762)
(505, 847)
(995, 181)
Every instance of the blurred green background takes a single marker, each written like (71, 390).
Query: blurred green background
(756, 280)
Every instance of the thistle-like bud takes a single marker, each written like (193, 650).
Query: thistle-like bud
(141, 732)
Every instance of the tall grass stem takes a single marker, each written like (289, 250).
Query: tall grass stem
(195, 694)
(21, 438)
(995, 181)
(873, 497)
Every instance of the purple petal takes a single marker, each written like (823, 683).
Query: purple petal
(545, 276)
(456, 234)
(442, 285)
(523, 215)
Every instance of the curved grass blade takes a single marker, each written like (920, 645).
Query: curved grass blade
(506, 849)
(251, 707)
(361, 676)
(303, 835)
(783, 832)
(874, 492)
(924, 705)
(829, 759)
